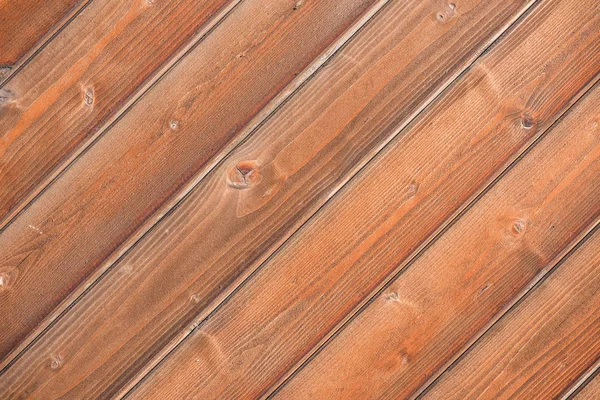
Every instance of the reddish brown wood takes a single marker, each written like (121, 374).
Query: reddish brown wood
(393, 206)
(25, 23)
(67, 94)
(591, 391)
(514, 234)
(539, 349)
(260, 194)
(175, 132)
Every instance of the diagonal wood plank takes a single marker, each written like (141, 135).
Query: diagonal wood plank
(508, 240)
(24, 25)
(83, 218)
(343, 253)
(591, 390)
(62, 99)
(540, 348)
(397, 72)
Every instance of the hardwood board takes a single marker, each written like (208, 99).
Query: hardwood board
(591, 391)
(539, 349)
(25, 23)
(397, 72)
(99, 64)
(506, 241)
(174, 132)
(394, 205)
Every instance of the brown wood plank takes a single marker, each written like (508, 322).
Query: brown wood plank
(172, 134)
(507, 240)
(68, 93)
(591, 390)
(25, 23)
(394, 205)
(539, 349)
(391, 74)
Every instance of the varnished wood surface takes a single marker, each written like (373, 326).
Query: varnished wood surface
(245, 219)
(332, 264)
(302, 199)
(149, 154)
(25, 23)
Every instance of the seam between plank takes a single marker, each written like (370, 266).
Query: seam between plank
(171, 204)
(43, 42)
(206, 29)
(432, 238)
(242, 281)
(66, 304)
(582, 381)
(544, 274)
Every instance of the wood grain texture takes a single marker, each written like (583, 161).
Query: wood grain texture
(591, 391)
(60, 101)
(539, 349)
(169, 136)
(343, 253)
(24, 23)
(297, 159)
(507, 239)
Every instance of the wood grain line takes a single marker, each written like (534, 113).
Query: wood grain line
(587, 386)
(507, 10)
(256, 121)
(8, 71)
(418, 338)
(288, 265)
(563, 256)
(8, 215)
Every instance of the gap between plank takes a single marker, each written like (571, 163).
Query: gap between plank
(426, 245)
(582, 381)
(43, 42)
(171, 204)
(544, 274)
(160, 72)
(66, 304)
(240, 282)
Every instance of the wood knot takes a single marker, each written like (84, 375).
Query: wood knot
(88, 96)
(412, 190)
(56, 362)
(3, 281)
(518, 227)
(6, 96)
(527, 121)
(392, 296)
(244, 175)
(448, 13)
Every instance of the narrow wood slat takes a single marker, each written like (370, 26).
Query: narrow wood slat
(506, 241)
(346, 112)
(394, 205)
(59, 102)
(591, 391)
(176, 130)
(24, 23)
(541, 347)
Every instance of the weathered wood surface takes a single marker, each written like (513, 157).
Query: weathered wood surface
(174, 132)
(24, 24)
(539, 349)
(286, 181)
(340, 256)
(65, 96)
